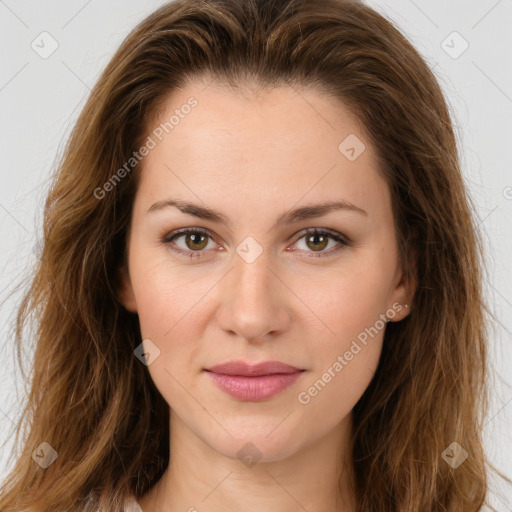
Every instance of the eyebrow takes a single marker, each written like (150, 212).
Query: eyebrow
(290, 217)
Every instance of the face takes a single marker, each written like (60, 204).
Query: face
(266, 272)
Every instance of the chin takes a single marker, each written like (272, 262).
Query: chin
(258, 444)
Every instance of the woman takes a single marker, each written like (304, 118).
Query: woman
(260, 285)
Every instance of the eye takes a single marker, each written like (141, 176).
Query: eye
(194, 239)
(316, 240)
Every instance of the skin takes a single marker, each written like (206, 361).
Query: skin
(253, 157)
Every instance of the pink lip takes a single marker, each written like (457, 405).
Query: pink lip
(253, 382)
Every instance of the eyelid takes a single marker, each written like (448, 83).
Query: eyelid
(335, 235)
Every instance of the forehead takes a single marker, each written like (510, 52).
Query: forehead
(277, 145)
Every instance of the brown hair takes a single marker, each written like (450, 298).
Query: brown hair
(93, 401)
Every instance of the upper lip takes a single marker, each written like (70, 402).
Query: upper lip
(253, 370)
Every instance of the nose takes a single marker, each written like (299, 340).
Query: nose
(253, 301)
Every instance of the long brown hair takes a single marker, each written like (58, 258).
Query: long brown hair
(94, 403)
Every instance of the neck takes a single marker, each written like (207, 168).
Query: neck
(314, 478)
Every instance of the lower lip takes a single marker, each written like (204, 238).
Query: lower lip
(254, 389)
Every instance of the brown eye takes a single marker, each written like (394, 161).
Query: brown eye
(317, 242)
(196, 241)
(193, 243)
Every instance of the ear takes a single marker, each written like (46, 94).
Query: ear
(403, 293)
(125, 291)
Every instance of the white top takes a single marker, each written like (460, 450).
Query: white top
(133, 506)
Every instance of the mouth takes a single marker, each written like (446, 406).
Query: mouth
(253, 383)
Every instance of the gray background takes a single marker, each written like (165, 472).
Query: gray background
(40, 99)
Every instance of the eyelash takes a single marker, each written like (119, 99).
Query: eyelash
(343, 241)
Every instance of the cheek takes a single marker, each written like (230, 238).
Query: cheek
(174, 309)
(344, 364)
(332, 393)
(336, 307)
(348, 344)
(170, 315)
(344, 303)
(166, 296)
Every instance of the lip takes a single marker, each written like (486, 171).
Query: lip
(253, 370)
(256, 382)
